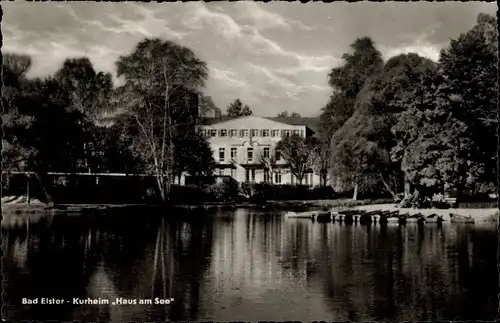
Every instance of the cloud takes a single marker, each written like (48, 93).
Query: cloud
(288, 88)
(227, 77)
(271, 55)
(200, 17)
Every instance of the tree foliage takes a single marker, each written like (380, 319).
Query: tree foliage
(237, 109)
(296, 151)
(159, 76)
(445, 135)
(285, 114)
(36, 114)
(347, 81)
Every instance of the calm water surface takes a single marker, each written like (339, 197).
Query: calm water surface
(248, 266)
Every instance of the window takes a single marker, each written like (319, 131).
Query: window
(296, 132)
(267, 176)
(266, 152)
(234, 152)
(233, 133)
(275, 132)
(265, 133)
(285, 133)
(306, 179)
(250, 154)
(233, 173)
(277, 177)
(247, 175)
(223, 132)
(244, 133)
(253, 175)
(277, 154)
(221, 154)
(254, 133)
(213, 132)
(302, 133)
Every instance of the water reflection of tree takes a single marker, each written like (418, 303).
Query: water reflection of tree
(392, 272)
(54, 266)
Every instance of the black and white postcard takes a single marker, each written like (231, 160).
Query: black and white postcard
(249, 161)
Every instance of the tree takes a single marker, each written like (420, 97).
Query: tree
(200, 163)
(444, 136)
(207, 105)
(268, 163)
(366, 134)
(469, 66)
(155, 73)
(323, 159)
(236, 109)
(285, 114)
(296, 151)
(36, 114)
(88, 93)
(347, 81)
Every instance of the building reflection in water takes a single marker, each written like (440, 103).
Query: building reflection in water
(249, 266)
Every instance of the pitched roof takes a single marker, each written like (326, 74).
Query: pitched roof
(311, 122)
(210, 121)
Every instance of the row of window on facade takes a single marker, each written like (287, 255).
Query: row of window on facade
(268, 176)
(266, 153)
(242, 133)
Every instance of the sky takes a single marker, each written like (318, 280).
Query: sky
(273, 56)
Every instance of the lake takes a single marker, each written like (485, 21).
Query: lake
(246, 265)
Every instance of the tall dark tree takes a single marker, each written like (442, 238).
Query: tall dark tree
(347, 81)
(36, 115)
(368, 131)
(200, 163)
(444, 137)
(89, 93)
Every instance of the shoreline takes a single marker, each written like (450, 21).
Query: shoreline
(334, 205)
(477, 214)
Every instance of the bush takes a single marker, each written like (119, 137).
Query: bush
(323, 192)
(268, 191)
(225, 191)
(188, 194)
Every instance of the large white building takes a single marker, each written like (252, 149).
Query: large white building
(245, 149)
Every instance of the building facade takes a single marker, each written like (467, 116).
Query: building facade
(245, 149)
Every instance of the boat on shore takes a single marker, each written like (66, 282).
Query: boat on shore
(415, 218)
(459, 218)
(300, 215)
(434, 218)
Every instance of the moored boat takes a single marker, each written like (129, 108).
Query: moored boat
(300, 215)
(414, 218)
(323, 217)
(459, 218)
(393, 219)
(434, 218)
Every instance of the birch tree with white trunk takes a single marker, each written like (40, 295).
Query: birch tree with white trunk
(157, 74)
